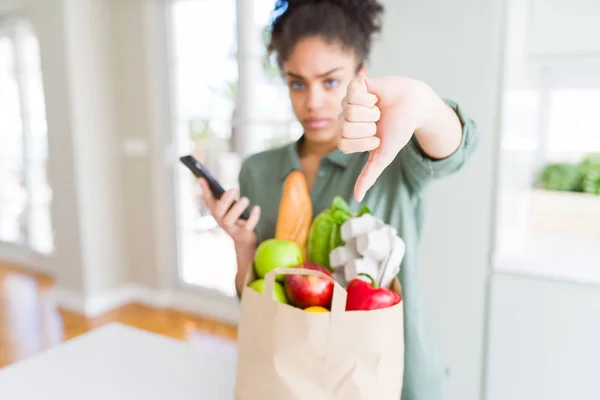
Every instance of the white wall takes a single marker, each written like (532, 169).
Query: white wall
(456, 47)
(66, 264)
(96, 138)
(131, 43)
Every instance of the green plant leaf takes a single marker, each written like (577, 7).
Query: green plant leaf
(364, 210)
(338, 203)
(591, 182)
(561, 177)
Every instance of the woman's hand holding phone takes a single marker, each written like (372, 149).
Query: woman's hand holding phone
(228, 216)
(240, 230)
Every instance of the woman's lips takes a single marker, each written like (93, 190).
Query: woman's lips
(316, 123)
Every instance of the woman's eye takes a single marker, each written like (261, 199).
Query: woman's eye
(296, 85)
(331, 83)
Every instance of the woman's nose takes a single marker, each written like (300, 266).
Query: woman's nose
(316, 98)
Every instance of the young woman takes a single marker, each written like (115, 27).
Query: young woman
(378, 142)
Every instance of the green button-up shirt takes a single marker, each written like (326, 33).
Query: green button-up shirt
(398, 199)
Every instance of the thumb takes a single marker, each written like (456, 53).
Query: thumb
(395, 132)
(388, 89)
(379, 160)
(358, 94)
(362, 82)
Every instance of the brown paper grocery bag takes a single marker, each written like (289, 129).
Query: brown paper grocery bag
(285, 353)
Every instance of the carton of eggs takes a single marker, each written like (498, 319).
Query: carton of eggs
(371, 247)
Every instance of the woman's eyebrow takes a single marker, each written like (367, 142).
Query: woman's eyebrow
(298, 76)
(330, 72)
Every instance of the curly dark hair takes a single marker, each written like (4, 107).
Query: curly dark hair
(351, 23)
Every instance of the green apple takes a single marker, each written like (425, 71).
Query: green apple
(276, 253)
(278, 292)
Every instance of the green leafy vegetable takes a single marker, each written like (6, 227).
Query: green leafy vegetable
(319, 238)
(590, 163)
(325, 231)
(340, 216)
(335, 239)
(590, 168)
(591, 182)
(338, 203)
(561, 176)
(364, 210)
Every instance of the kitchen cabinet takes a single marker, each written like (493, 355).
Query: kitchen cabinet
(543, 339)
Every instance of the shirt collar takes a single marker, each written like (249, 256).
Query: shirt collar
(291, 160)
(338, 158)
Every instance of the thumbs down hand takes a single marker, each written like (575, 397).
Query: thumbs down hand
(380, 115)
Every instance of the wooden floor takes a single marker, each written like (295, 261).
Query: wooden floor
(30, 321)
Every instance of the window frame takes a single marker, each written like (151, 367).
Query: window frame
(15, 27)
(559, 77)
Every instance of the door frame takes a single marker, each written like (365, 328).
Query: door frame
(184, 296)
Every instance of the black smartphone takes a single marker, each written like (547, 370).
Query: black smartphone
(199, 171)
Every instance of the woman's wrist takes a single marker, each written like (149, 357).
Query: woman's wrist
(245, 247)
(441, 133)
(245, 256)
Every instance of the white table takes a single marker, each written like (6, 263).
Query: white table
(120, 362)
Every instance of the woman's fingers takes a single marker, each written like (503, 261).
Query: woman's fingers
(357, 130)
(253, 219)
(354, 113)
(358, 145)
(224, 203)
(226, 212)
(359, 119)
(235, 212)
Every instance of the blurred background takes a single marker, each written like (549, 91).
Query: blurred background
(99, 98)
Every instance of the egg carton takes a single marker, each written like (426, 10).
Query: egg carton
(371, 247)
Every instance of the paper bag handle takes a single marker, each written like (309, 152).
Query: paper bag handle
(338, 301)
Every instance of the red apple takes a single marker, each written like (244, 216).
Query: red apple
(305, 291)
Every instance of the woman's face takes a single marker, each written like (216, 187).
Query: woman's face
(317, 74)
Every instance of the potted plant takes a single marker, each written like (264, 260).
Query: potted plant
(566, 197)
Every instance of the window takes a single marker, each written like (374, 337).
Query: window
(573, 123)
(24, 191)
(217, 126)
(548, 201)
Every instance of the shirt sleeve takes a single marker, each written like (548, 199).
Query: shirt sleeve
(244, 185)
(244, 181)
(419, 169)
